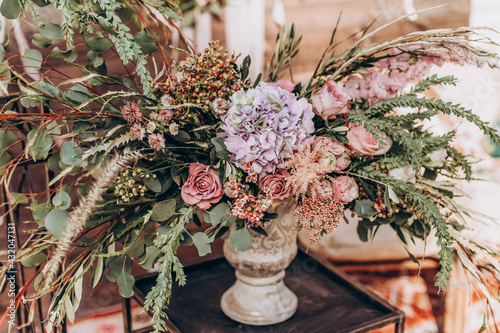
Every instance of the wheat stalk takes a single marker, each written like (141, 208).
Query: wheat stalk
(81, 214)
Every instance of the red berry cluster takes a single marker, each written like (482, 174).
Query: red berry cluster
(202, 78)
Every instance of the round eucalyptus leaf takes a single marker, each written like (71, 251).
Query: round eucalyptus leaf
(41, 142)
(62, 200)
(78, 95)
(98, 44)
(4, 159)
(40, 211)
(51, 30)
(126, 284)
(163, 210)
(32, 59)
(56, 221)
(202, 243)
(11, 9)
(41, 41)
(7, 138)
(49, 90)
(241, 240)
(35, 259)
(70, 154)
(53, 163)
(69, 56)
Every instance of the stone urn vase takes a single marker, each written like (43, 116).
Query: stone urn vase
(259, 295)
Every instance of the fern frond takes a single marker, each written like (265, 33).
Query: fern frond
(428, 211)
(448, 108)
(159, 296)
(393, 162)
(433, 80)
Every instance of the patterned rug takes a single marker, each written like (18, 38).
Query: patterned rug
(408, 293)
(110, 320)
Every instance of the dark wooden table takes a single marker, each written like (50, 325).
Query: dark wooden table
(329, 301)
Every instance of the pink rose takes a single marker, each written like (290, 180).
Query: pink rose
(202, 186)
(277, 182)
(345, 189)
(328, 163)
(363, 142)
(328, 146)
(343, 161)
(330, 100)
(285, 84)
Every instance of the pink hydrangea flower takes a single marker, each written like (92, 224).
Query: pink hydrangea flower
(265, 126)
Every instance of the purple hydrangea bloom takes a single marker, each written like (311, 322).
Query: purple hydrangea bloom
(264, 126)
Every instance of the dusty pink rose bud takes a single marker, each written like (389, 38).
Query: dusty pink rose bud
(202, 187)
(363, 142)
(345, 189)
(285, 84)
(328, 146)
(276, 181)
(330, 100)
(343, 161)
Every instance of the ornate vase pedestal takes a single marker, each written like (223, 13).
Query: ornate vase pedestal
(259, 295)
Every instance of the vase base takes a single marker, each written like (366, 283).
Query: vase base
(259, 304)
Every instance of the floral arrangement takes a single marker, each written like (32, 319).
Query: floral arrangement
(203, 144)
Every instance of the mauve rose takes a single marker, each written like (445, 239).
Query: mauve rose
(328, 146)
(345, 189)
(202, 187)
(363, 142)
(285, 84)
(276, 181)
(330, 100)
